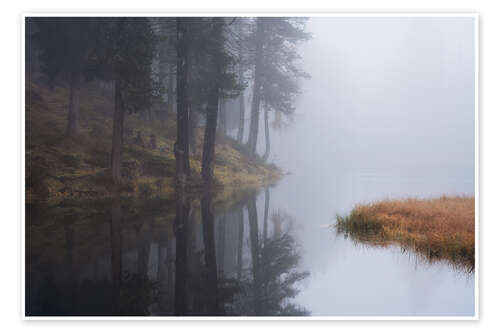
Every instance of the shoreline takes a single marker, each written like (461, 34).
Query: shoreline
(62, 168)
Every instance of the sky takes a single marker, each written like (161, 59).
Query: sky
(387, 96)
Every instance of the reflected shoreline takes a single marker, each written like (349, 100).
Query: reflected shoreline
(154, 257)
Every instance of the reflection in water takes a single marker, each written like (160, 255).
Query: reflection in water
(116, 254)
(156, 257)
(372, 236)
(212, 294)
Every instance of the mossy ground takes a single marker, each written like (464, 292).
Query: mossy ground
(440, 228)
(60, 167)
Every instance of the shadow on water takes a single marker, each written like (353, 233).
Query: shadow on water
(153, 257)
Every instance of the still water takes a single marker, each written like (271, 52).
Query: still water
(268, 253)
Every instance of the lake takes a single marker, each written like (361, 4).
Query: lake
(124, 257)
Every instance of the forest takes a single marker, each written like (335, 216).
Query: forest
(141, 106)
(148, 127)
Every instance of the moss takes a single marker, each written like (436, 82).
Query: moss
(78, 167)
(70, 160)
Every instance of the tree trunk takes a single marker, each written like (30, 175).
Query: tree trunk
(212, 108)
(266, 214)
(193, 125)
(254, 244)
(257, 87)
(170, 91)
(207, 216)
(241, 120)
(117, 140)
(223, 117)
(182, 167)
(209, 138)
(182, 144)
(241, 98)
(163, 68)
(72, 127)
(266, 129)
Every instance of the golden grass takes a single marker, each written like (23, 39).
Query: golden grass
(441, 228)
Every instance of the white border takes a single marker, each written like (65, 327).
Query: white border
(265, 318)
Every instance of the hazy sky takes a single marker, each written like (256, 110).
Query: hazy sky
(391, 95)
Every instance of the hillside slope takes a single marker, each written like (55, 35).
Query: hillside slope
(78, 167)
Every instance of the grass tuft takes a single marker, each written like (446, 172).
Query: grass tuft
(441, 228)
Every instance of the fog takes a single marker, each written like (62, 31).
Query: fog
(393, 96)
(388, 113)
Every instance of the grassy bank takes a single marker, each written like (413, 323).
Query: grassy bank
(59, 167)
(441, 228)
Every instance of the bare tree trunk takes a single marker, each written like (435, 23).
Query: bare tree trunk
(163, 68)
(266, 214)
(182, 167)
(72, 127)
(257, 88)
(117, 139)
(182, 144)
(170, 91)
(241, 98)
(241, 120)
(266, 128)
(223, 117)
(207, 169)
(193, 125)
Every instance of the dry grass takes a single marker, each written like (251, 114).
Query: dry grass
(60, 167)
(441, 228)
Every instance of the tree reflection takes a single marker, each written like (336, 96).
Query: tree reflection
(116, 254)
(210, 255)
(274, 265)
(181, 267)
(138, 258)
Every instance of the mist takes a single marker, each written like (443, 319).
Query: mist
(254, 166)
(387, 96)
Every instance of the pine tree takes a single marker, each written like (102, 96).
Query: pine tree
(124, 56)
(65, 44)
(276, 73)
